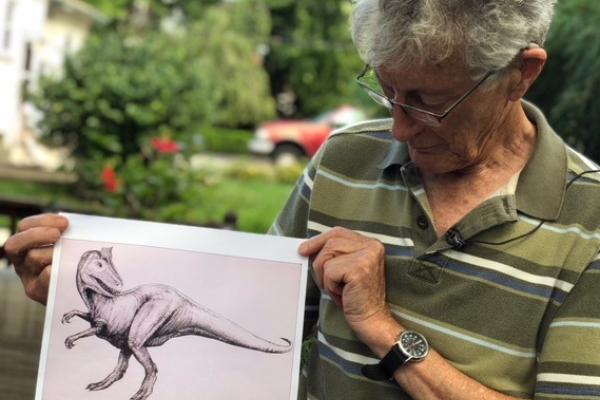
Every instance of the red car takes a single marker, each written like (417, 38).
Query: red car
(287, 141)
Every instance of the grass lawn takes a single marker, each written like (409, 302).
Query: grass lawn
(255, 202)
(31, 190)
(28, 192)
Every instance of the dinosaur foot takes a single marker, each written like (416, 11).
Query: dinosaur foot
(146, 389)
(140, 395)
(98, 386)
(69, 343)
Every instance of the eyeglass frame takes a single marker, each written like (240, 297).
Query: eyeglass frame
(404, 107)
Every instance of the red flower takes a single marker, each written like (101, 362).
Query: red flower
(165, 146)
(110, 179)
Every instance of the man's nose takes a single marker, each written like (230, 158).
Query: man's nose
(404, 127)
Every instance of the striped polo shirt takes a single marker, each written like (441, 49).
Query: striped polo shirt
(516, 307)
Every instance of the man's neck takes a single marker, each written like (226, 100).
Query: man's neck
(452, 196)
(510, 147)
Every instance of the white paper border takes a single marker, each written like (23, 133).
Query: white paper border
(181, 237)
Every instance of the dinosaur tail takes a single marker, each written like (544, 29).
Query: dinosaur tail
(220, 328)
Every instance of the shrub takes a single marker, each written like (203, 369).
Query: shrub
(223, 140)
(568, 88)
(117, 93)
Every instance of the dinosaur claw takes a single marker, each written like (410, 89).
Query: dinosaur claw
(69, 344)
(140, 396)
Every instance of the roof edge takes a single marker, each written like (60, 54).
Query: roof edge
(85, 9)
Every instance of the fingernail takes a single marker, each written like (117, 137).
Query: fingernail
(302, 248)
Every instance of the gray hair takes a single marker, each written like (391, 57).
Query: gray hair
(487, 33)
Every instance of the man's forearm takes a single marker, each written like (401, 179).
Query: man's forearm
(430, 379)
(436, 378)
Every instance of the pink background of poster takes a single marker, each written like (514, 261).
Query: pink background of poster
(259, 295)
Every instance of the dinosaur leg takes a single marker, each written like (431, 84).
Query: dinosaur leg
(70, 341)
(143, 357)
(115, 375)
(147, 321)
(76, 313)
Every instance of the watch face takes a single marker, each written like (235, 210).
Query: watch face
(413, 344)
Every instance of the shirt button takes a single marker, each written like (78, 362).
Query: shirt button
(422, 222)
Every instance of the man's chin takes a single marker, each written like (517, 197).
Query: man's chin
(432, 164)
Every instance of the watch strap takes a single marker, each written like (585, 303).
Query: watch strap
(385, 369)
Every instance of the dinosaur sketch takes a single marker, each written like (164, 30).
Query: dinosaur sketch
(145, 316)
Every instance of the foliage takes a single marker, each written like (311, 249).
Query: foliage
(231, 38)
(312, 51)
(148, 185)
(221, 140)
(307, 46)
(568, 88)
(115, 94)
(131, 90)
(122, 88)
(123, 11)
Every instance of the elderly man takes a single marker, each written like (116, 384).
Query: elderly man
(452, 245)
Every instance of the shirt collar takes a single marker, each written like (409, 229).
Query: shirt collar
(542, 183)
(397, 154)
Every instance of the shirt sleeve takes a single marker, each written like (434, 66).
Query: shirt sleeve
(569, 362)
(293, 222)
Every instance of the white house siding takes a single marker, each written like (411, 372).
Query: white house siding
(65, 32)
(25, 25)
(52, 28)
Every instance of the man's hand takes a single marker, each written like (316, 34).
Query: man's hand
(30, 251)
(350, 267)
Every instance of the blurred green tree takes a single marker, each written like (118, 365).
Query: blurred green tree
(132, 88)
(568, 88)
(313, 54)
(150, 11)
(115, 98)
(126, 87)
(118, 92)
(308, 51)
(231, 39)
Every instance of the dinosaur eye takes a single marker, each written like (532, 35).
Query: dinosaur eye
(99, 264)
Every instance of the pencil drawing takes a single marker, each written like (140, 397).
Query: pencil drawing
(145, 316)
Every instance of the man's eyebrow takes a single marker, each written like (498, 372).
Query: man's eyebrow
(434, 91)
(445, 92)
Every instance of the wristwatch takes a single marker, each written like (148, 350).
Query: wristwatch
(410, 347)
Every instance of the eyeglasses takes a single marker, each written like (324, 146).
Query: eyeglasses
(368, 80)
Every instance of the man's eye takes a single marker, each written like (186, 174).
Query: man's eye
(432, 101)
(388, 91)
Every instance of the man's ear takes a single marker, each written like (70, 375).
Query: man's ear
(532, 64)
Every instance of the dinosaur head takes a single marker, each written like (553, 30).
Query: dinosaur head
(97, 273)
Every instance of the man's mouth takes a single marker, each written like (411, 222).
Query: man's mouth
(422, 148)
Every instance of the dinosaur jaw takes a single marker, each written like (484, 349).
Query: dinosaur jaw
(98, 286)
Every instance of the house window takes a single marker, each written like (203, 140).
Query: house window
(6, 35)
(28, 56)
